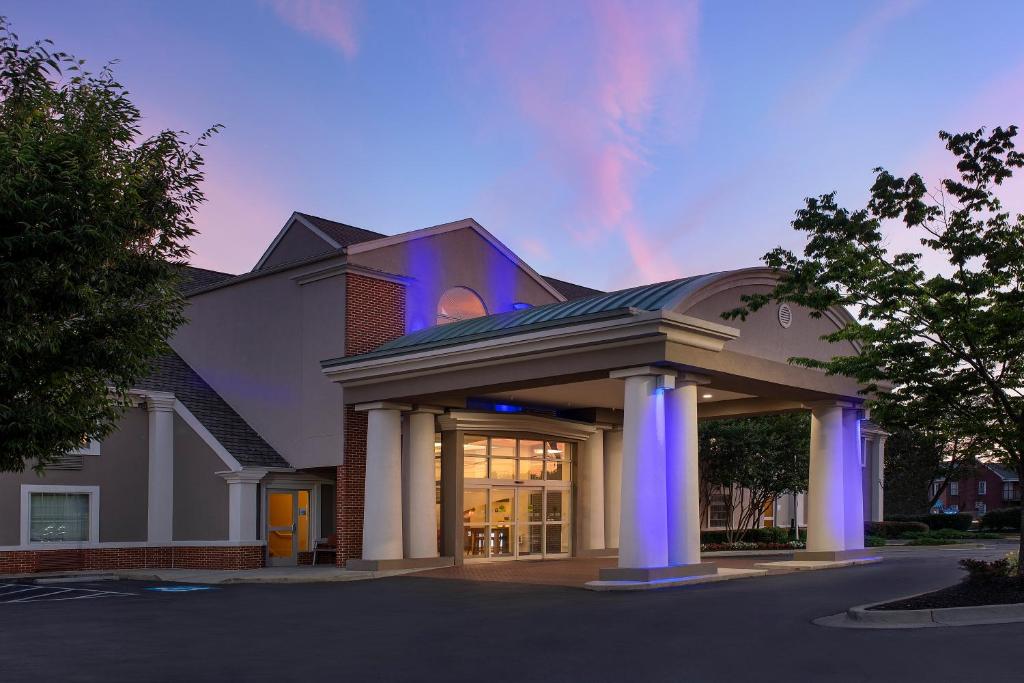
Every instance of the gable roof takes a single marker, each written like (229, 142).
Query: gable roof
(171, 373)
(193, 278)
(343, 235)
(659, 296)
(571, 290)
(1003, 473)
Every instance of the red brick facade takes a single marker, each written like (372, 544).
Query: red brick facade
(172, 557)
(374, 314)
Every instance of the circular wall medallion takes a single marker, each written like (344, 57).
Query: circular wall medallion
(785, 315)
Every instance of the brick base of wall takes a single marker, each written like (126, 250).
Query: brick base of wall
(167, 557)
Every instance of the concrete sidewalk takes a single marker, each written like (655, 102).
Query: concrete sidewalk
(303, 574)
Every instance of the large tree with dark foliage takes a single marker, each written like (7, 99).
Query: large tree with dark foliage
(94, 218)
(950, 343)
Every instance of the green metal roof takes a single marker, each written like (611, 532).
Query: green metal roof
(600, 306)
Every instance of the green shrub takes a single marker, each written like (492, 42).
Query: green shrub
(776, 534)
(873, 541)
(961, 520)
(928, 539)
(893, 529)
(1002, 518)
(982, 572)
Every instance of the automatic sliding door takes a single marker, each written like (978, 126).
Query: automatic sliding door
(502, 521)
(530, 518)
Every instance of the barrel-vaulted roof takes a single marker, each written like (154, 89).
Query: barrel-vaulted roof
(658, 296)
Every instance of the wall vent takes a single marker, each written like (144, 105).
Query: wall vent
(785, 315)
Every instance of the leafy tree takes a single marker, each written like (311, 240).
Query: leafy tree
(751, 462)
(950, 343)
(93, 220)
(916, 458)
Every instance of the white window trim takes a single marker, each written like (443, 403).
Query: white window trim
(954, 488)
(982, 488)
(26, 516)
(92, 448)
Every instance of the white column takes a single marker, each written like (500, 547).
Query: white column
(592, 492)
(420, 525)
(643, 536)
(853, 485)
(681, 473)
(877, 473)
(825, 500)
(243, 503)
(382, 509)
(612, 486)
(160, 505)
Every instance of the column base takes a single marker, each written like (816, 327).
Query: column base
(832, 555)
(361, 565)
(597, 552)
(647, 574)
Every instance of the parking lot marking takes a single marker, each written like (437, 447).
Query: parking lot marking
(11, 593)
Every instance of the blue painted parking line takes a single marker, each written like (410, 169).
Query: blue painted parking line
(179, 589)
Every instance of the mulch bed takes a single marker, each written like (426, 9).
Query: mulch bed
(1003, 592)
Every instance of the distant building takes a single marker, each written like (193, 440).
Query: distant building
(986, 487)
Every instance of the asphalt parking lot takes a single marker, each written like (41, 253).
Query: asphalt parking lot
(423, 629)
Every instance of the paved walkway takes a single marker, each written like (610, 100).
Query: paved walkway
(571, 572)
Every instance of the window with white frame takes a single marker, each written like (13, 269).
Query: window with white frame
(718, 511)
(59, 514)
(981, 507)
(954, 488)
(982, 488)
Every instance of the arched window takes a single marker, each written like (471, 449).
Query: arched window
(459, 303)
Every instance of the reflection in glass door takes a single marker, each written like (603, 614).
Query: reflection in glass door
(529, 520)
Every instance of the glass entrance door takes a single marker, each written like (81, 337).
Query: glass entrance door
(288, 515)
(282, 527)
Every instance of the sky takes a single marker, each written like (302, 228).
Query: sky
(607, 142)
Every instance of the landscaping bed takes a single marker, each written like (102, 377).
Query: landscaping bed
(742, 545)
(987, 583)
(964, 594)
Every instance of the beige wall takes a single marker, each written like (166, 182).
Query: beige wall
(121, 472)
(762, 336)
(259, 344)
(200, 495)
(456, 258)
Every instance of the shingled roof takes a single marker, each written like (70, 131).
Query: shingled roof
(193, 278)
(171, 373)
(344, 235)
(571, 290)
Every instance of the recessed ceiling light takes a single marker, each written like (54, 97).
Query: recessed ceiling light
(705, 395)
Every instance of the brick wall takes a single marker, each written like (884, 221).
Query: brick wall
(374, 314)
(166, 557)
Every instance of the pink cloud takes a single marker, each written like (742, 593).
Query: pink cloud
(596, 85)
(836, 68)
(332, 21)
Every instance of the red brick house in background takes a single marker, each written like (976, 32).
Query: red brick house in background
(988, 487)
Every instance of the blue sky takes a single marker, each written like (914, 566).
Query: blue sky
(607, 142)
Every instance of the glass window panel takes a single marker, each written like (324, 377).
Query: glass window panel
(556, 538)
(503, 448)
(531, 506)
(503, 468)
(437, 469)
(555, 449)
(501, 540)
(530, 465)
(474, 503)
(58, 517)
(474, 445)
(530, 539)
(474, 468)
(474, 542)
(557, 502)
(437, 445)
(531, 449)
(557, 470)
(502, 504)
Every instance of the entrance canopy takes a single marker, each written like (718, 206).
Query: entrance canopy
(561, 354)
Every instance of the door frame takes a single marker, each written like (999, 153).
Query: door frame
(518, 485)
(294, 482)
(293, 559)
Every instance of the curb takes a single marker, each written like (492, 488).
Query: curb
(862, 616)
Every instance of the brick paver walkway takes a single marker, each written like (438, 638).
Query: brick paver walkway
(571, 572)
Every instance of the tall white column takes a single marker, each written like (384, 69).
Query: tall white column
(877, 473)
(420, 525)
(612, 486)
(382, 509)
(826, 503)
(592, 492)
(681, 473)
(160, 504)
(643, 537)
(853, 485)
(243, 503)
